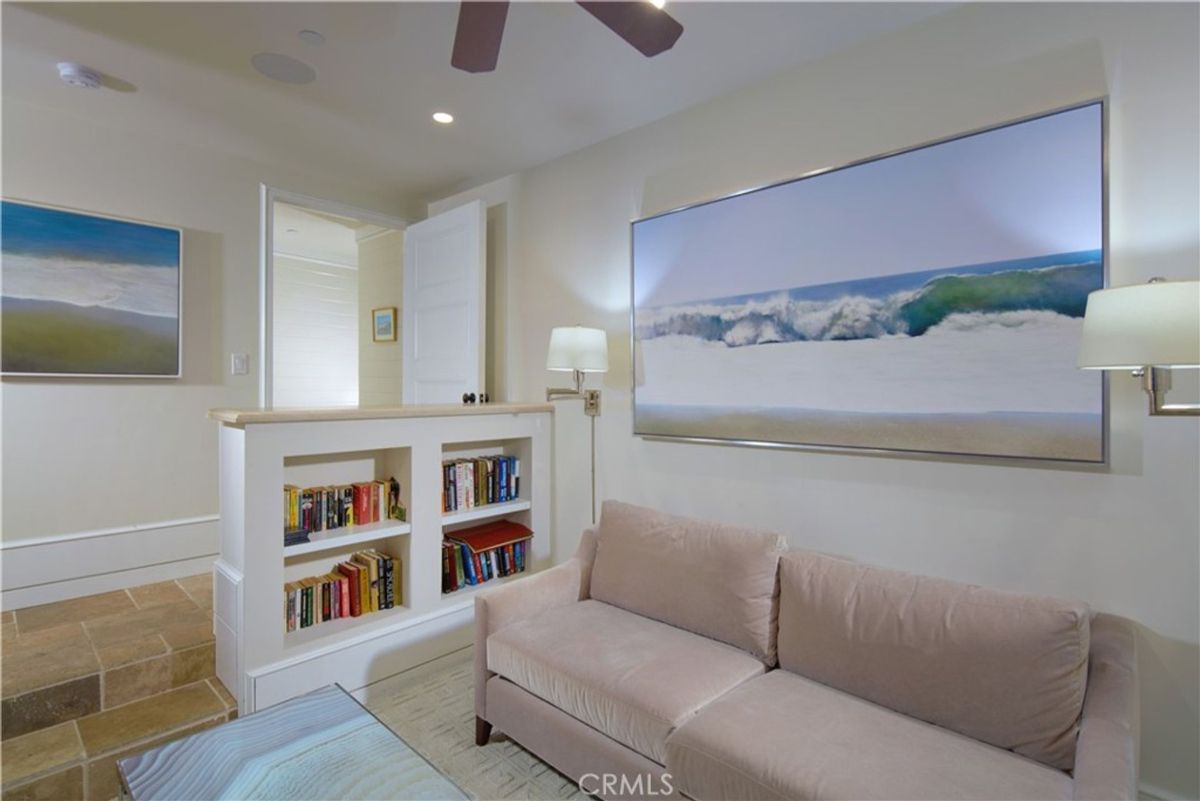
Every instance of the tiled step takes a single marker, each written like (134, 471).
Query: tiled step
(88, 681)
(74, 658)
(141, 725)
(78, 759)
(48, 763)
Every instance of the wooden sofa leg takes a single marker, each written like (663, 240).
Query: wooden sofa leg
(483, 730)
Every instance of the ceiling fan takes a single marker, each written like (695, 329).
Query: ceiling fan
(481, 26)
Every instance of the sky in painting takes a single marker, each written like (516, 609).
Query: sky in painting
(1024, 190)
(39, 231)
(83, 260)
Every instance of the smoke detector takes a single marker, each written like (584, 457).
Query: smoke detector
(78, 75)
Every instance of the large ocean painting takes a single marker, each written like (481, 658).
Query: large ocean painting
(927, 301)
(85, 295)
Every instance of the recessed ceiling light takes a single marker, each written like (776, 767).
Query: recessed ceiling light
(78, 75)
(657, 3)
(314, 38)
(443, 117)
(283, 68)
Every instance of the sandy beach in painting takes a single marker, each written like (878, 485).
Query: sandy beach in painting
(1068, 437)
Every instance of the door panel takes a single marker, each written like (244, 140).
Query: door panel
(444, 284)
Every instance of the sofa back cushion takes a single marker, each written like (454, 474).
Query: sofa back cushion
(711, 579)
(1004, 668)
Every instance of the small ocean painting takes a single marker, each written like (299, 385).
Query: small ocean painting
(943, 312)
(87, 295)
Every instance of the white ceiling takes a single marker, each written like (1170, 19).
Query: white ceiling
(564, 81)
(316, 235)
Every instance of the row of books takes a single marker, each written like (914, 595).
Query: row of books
(467, 483)
(480, 553)
(320, 508)
(369, 582)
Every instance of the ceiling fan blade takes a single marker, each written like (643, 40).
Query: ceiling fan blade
(477, 41)
(651, 30)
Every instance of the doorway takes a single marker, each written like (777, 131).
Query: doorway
(331, 283)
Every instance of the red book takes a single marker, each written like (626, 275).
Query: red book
(362, 504)
(487, 536)
(350, 571)
(344, 593)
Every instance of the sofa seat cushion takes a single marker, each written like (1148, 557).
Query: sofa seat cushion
(782, 736)
(630, 677)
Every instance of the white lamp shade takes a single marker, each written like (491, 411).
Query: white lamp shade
(578, 348)
(1147, 325)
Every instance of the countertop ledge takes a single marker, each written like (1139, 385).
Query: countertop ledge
(241, 417)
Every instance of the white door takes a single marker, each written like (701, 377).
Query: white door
(444, 285)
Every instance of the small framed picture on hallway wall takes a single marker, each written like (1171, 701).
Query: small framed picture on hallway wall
(383, 324)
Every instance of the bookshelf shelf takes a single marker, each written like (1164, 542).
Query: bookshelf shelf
(257, 658)
(342, 538)
(470, 590)
(484, 512)
(343, 627)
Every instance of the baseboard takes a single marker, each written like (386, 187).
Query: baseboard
(88, 562)
(414, 674)
(1152, 793)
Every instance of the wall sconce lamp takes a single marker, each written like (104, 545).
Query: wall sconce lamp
(579, 350)
(1148, 329)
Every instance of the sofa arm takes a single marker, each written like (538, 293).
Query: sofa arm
(496, 608)
(1106, 753)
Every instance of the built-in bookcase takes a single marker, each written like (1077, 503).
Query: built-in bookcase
(326, 548)
(261, 451)
(519, 509)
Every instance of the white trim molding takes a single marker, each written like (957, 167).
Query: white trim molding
(1149, 791)
(48, 569)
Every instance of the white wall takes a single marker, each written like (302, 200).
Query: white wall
(1126, 538)
(380, 284)
(315, 317)
(84, 455)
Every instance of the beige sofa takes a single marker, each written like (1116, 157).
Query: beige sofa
(678, 657)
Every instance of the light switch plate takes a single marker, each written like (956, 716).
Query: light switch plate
(239, 364)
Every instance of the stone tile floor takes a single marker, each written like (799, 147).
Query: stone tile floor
(87, 681)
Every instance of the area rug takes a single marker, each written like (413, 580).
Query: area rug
(434, 713)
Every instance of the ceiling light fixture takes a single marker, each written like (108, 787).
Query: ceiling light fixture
(443, 117)
(314, 38)
(286, 69)
(78, 75)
